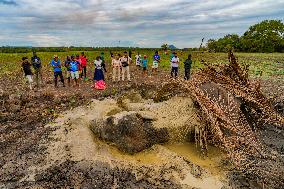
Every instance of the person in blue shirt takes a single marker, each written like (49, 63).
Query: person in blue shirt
(145, 65)
(74, 70)
(156, 62)
(55, 63)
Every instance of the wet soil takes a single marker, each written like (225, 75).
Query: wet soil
(24, 138)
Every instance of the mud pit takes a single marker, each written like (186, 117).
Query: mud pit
(175, 164)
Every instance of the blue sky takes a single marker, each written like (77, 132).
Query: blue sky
(143, 23)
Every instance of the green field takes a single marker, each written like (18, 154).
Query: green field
(269, 64)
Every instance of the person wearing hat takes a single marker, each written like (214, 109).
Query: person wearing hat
(26, 67)
(174, 64)
(56, 65)
(144, 64)
(36, 62)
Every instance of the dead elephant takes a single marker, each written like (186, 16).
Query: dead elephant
(131, 133)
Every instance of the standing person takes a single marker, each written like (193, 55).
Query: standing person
(175, 64)
(98, 74)
(78, 59)
(26, 67)
(36, 62)
(84, 61)
(130, 54)
(125, 62)
(74, 70)
(187, 67)
(68, 69)
(156, 62)
(138, 60)
(116, 66)
(144, 65)
(55, 63)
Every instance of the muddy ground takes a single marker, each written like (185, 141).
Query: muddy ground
(23, 131)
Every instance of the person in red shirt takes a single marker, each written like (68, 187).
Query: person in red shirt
(84, 61)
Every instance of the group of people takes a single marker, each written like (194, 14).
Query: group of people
(75, 68)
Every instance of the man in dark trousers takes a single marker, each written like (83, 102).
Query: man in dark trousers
(36, 62)
(187, 67)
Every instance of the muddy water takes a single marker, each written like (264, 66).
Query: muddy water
(75, 141)
(211, 162)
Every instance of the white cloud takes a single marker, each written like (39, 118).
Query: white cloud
(146, 23)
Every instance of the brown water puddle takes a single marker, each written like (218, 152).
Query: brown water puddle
(211, 162)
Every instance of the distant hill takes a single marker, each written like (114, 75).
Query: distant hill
(172, 47)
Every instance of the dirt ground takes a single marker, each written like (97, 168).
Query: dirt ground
(25, 113)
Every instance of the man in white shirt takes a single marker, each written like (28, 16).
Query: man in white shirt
(125, 62)
(175, 64)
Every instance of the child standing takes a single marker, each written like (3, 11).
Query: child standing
(68, 69)
(144, 64)
(138, 60)
(116, 66)
(156, 62)
(55, 63)
(26, 67)
(74, 70)
(175, 64)
(187, 67)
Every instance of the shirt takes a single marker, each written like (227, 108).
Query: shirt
(74, 66)
(56, 66)
(84, 61)
(125, 59)
(187, 64)
(116, 63)
(156, 57)
(175, 62)
(144, 63)
(98, 64)
(27, 68)
(36, 62)
(67, 64)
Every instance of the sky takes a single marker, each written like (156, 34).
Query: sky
(136, 23)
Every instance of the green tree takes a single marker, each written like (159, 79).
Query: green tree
(165, 46)
(266, 36)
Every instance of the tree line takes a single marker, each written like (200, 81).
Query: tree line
(266, 37)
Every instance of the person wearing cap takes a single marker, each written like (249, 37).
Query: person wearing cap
(116, 65)
(174, 64)
(36, 62)
(125, 62)
(144, 64)
(74, 70)
(156, 62)
(26, 67)
(56, 65)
